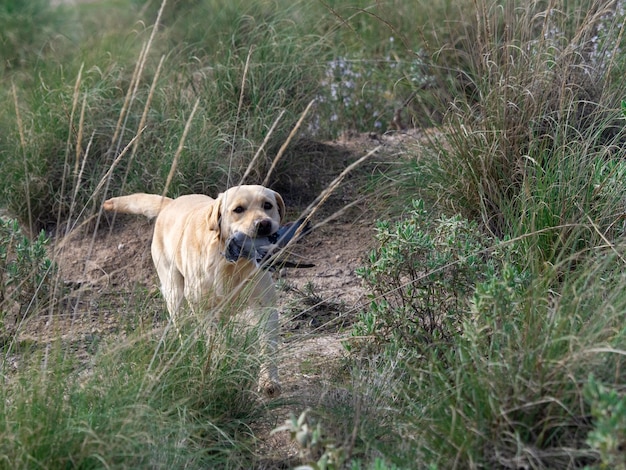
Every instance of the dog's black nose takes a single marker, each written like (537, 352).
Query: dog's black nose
(264, 228)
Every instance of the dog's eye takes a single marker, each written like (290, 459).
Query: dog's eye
(267, 206)
(239, 209)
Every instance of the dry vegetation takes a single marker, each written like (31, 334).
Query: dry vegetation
(467, 303)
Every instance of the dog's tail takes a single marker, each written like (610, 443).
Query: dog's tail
(148, 205)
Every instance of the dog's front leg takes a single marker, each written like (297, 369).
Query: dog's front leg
(269, 382)
(267, 319)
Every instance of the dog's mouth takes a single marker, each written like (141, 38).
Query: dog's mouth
(256, 248)
(260, 249)
(240, 246)
(260, 228)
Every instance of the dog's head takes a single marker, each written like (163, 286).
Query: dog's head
(252, 209)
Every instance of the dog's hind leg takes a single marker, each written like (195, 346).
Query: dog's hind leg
(172, 288)
(173, 294)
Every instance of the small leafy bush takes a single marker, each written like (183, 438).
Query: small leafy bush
(421, 276)
(498, 293)
(314, 448)
(608, 408)
(26, 272)
(513, 390)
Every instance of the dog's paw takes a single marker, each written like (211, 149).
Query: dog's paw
(270, 388)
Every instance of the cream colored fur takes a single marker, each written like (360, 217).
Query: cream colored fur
(190, 236)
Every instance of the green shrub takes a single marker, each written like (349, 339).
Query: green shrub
(513, 391)
(27, 275)
(317, 452)
(421, 276)
(497, 294)
(608, 408)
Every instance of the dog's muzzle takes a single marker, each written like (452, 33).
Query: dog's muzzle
(262, 249)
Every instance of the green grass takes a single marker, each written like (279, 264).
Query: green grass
(527, 147)
(514, 389)
(149, 401)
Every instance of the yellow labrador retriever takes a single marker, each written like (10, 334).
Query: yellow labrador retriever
(188, 246)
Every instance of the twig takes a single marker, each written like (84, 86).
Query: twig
(20, 128)
(282, 149)
(144, 118)
(69, 133)
(258, 152)
(78, 179)
(609, 244)
(137, 73)
(239, 106)
(324, 195)
(179, 150)
(127, 98)
(105, 178)
(338, 213)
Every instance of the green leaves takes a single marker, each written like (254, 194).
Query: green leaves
(319, 452)
(26, 272)
(420, 277)
(608, 408)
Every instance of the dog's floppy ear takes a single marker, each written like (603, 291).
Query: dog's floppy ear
(215, 214)
(281, 205)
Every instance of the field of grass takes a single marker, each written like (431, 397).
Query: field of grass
(494, 334)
